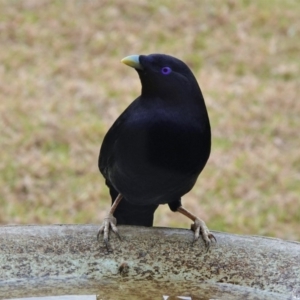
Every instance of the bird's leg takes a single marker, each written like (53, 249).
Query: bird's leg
(198, 227)
(110, 222)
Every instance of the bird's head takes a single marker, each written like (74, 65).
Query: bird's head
(164, 76)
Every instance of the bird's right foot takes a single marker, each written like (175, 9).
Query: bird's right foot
(109, 222)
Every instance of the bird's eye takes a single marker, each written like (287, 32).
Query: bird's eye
(166, 70)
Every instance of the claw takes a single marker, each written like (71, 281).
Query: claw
(109, 222)
(200, 227)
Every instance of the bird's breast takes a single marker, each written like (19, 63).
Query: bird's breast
(175, 146)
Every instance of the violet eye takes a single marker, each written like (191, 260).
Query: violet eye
(166, 70)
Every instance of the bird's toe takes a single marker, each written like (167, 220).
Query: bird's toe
(199, 227)
(110, 222)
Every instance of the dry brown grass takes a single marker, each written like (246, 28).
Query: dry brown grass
(62, 85)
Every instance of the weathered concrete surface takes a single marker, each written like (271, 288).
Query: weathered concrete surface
(147, 264)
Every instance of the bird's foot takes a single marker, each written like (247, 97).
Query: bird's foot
(199, 227)
(109, 222)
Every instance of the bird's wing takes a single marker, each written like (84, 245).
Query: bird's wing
(110, 139)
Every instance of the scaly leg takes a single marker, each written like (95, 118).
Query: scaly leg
(198, 226)
(110, 222)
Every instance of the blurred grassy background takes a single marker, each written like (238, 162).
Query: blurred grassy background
(62, 85)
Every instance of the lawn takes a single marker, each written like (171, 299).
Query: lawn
(62, 85)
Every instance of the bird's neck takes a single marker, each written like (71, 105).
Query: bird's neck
(174, 105)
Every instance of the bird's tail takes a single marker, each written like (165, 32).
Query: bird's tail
(130, 214)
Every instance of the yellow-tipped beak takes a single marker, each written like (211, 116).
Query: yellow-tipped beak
(132, 61)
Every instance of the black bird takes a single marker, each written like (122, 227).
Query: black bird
(156, 149)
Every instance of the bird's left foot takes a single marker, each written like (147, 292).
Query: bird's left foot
(199, 227)
(110, 222)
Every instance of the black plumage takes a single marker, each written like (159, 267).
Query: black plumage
(156, 149)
